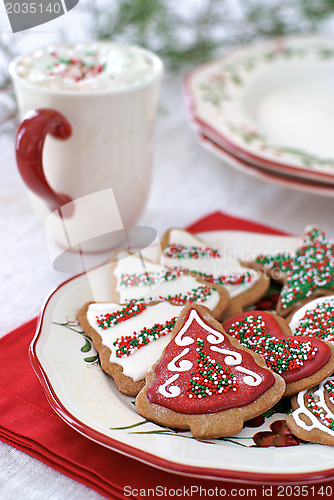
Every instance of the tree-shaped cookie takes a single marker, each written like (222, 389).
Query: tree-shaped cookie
(129, 338)
(206, 381)
(306, 273)
(183, 250)
(312, 417)
(136, 278)
(301, 361)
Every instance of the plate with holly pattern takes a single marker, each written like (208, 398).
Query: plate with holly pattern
(87, 399)
(270, 104)
(287, 181)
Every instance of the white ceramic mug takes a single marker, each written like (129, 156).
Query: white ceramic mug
(88, 125)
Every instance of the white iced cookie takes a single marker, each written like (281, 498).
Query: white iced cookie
(181, 249)
(135, 278)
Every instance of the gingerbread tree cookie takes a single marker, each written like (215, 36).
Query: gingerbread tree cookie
(129, 338)
(205, 381)
(312, 418)
(135, 278)
(181, 249)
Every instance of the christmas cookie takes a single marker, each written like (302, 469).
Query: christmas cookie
(181, 249)
(306, 273)
(315, 319)
(128, 338)
(135, 278)
(206, 381)
(301, 361)
(312, 418)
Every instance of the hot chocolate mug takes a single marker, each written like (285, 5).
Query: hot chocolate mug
(88, 125)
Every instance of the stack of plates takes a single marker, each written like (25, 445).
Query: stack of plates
(268, 110)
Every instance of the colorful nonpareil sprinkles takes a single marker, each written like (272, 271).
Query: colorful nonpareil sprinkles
(76, 68)
(199, 294)
(312, 267)
(329, 387)
(153, 278)
(137, 306)
(318, 411)
(280, 355)
(280, 261)
(231, 279)
(174, 251)
(133, 308)
(209, 377)
(318, 322)
(129, 344)
(149, 278)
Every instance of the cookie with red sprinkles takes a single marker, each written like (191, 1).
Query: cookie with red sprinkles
(218, 266)
(312, 417)
(134, 277)
(301, 361)
(205, 381)
(315, 318)
(306, 273)
(129, 338)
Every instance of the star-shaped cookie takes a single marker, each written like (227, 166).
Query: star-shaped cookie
(306, 273)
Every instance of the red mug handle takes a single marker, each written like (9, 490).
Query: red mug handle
(29, 144)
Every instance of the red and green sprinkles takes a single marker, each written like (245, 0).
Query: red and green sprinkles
(199, 294)
(280, 261)
(137, 306)
(231, 279)
(149, 278)
(132, 309)
(154, 277)
(318, 411)
(128, 344)
(311, 268)
(329, 387)
(280, 355)
(318, 322)
(209, 377)
(178, 251)
(76, 68)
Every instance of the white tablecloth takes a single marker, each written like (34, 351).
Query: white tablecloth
(188, 183)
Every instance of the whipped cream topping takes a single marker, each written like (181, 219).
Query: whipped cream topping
(92, 67)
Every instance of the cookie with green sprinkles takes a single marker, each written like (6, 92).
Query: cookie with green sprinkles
(205, 381)
(306, 273)
(134, 277)
(219, 266)
(315, 319)
(128, 338)
(302, 361)
(312, 417)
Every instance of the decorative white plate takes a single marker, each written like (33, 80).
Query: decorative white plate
(88, 400)
(271, 104)
(307, 186)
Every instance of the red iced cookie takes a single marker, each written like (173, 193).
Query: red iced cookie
(206, 381)
(301, 361)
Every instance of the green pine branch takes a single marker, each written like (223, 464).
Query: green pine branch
(182, 33)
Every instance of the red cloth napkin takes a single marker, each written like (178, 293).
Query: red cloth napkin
(28, 423)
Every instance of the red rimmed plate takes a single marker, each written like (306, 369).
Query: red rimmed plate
(304, 185)
(271, 105)
(89, 402)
